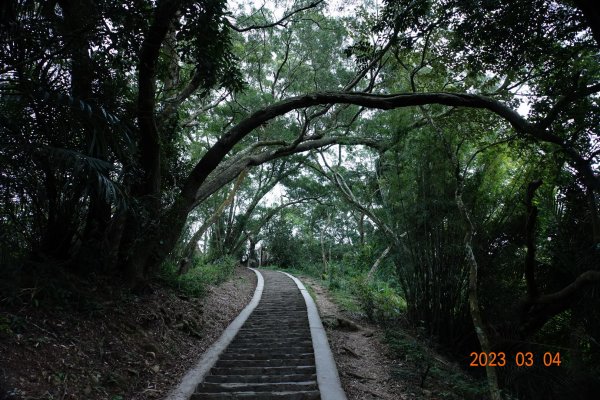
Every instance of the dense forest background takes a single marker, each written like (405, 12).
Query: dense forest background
(438, 158)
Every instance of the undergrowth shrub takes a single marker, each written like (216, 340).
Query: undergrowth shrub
(380, 301)
(202, 275)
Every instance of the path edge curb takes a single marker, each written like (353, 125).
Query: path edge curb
(194, 376)
(328, 379)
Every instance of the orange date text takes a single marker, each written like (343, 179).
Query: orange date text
(520, 359)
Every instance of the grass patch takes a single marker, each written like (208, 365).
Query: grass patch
(346, 300)
(311, 292)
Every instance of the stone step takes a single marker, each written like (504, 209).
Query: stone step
(298, 395)
(275, 329)
(257, 387)
(274, 335)
(260, 378)
(273, 349)
(275, 343)
(267, 348)
(266, 340)
(283, 316)
(291, 362)
(267, 355)
(275, 324)
(289, 331)
(283, 313)
(276, 347)
(281, 370)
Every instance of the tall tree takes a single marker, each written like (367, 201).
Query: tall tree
(74, 101)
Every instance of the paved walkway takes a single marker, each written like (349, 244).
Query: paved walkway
(272, 356)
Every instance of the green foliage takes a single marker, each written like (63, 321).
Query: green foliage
(208, 46)
(69, 138)
(380, 302)
(347, 301)
(202, 275)
(283, 246)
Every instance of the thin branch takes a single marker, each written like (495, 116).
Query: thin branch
(278, 22)
(280, 68)
(484, 148)
(564, 101)
(190, 121)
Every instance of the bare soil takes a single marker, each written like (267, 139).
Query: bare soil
(370, 369)
(135, 347)
(359, 351)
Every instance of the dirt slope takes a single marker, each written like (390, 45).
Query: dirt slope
(370, 369)
(136, 348)
(359, 352)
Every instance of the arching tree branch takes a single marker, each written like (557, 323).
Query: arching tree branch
(226, 175)
(540, 310)
(384, 102)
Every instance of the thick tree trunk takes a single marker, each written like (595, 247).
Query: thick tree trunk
(79, 16)
(538, 311)
(144, 248)
(591, 197)
(361, 229)
(188, 252)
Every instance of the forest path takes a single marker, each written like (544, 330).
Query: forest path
(272, 356)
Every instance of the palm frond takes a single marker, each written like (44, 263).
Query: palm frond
(97, 173)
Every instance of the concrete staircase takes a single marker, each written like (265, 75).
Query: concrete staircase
(272, 355)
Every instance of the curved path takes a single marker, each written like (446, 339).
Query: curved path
(275, 349)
